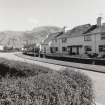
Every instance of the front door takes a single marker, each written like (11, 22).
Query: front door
(78, 50)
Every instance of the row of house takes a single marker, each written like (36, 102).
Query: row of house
(83, 39)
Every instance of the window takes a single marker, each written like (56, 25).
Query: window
(88, 48)
(54, 40)
(53, 49)
(64, 40)
(64, 49)
(101, 48)
(87, 38)
(56, 48)
(103, 36)
(44, 49)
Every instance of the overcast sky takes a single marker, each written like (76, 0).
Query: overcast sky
(27, 14)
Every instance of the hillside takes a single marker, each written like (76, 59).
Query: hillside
(19, 38)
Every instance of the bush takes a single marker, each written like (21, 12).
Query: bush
(43, 89)
(84, 83)
(93, 55)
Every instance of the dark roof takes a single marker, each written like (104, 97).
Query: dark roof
(95, 29)
(76, 31)
(79, 30)
(52, 36)
(90, 29)
(64, 35)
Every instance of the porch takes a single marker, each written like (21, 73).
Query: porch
(74, 49)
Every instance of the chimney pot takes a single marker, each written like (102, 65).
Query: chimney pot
(99, 21)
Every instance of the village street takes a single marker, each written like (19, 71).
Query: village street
(97, 78)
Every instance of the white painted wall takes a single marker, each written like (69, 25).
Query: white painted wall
(1, 47)
(94, 43)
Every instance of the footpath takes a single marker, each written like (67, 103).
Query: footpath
(89, 67)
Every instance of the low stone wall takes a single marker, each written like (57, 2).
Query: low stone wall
(78, 60)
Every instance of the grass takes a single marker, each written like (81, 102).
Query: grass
(20, 69)
(27, 84)
(84, 83)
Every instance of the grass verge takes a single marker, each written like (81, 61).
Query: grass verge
(26, 84)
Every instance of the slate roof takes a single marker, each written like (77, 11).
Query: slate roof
(83, 30)
(93, 27)
(76, 31)
(52, 36)
(96, 29)
(79, 30)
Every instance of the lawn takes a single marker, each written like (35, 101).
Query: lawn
(27, 84)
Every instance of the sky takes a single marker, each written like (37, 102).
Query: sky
(22, 15)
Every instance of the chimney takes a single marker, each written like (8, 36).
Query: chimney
(63, 29)
(99, 21)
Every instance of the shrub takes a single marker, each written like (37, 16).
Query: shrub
(84, 83)
(92, 55)
(43, 89)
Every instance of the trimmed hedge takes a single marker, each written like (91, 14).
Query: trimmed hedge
(42, 86)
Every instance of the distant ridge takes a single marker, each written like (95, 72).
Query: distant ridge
(17, 39)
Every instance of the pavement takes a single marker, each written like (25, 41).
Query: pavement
(89, 67)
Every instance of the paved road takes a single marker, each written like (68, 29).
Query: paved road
(98, 78)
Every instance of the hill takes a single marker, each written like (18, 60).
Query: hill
(17, 39)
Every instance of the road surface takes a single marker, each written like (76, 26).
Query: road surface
(97, 78)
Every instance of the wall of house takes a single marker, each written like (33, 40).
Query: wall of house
(44, 48)
(72, 41)
(91, 43)
(99, 41)
(95, 42)
(76, 41)
(1, 48)
(62, 44)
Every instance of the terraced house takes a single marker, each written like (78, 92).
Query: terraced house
(83, 39)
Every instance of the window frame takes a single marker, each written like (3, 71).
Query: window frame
(64, 40)
(56, 49)
(102, 35)
(89, 49)
(64, 49)
(101, 48)
(87, 38)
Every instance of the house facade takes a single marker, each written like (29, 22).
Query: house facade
(82, 39)
(45, 46)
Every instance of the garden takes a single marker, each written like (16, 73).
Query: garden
(28, 84)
